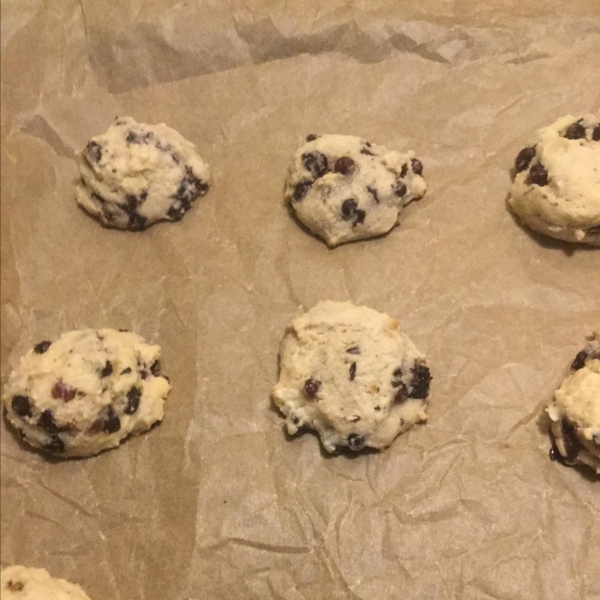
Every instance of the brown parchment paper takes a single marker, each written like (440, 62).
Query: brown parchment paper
(217, 502)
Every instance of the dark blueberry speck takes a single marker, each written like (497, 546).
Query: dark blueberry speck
(417, 166)
(353, 350)
(311, 137)
(356, 442)
(125, 371)
(21, 406)
(137, 222)
(596, 134)
(402, 393)
(316, 163)
(155, 368)
(538, 175)
(579, 361)
(352, 371)
(524, 158)
(344, 165)
(575, 132)
(46, 422)
(367, 152)
(420, 382)
(94, 151)
(133, 400)
(400, 188)
(311, 387)
(360, 216)
(373, 193)
(349, 208)
(404, 170)
(112, 422)
(55, 445)
(63, 391)
(107, 370)
(42, 347)
(377, 407)
(570, 439)
(301, 189)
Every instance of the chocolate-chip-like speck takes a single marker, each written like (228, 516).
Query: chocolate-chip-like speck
(46, 422)
(107, 370)
(311, 137)
(301, 189)
(125, 371)
(579, 361)
(400, 188)
(596, 134)
(356, 442)
(311, 387)
(349, 208)
(133, 400)
(94, 151)
(55, 445)
(352, 371)
(316, 163)
(420, 381)
(538, 175)
(366, 151)
(353, 350)
(417, 166)
(360, 216)
(42, 347)
(155, 368)
(575, 132)
(570, 439)
(112, 422)
(523, 159)
(344, 165)
(21, 406)
(62, 391)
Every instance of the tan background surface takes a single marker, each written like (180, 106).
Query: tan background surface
(216, 502)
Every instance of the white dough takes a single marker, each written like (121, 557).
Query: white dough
(21, 583)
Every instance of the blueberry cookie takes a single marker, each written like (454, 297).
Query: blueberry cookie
(575, 411)
(86, 392)
(135, 175)
(349, 373)
(344, 188)
(21, 583)
(556, 189)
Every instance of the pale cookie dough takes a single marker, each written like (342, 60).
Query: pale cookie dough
(575, 411)
(135, 175)
(86, 392)
(344, 188)
(556, 189)
(21, 583)
(349, 373)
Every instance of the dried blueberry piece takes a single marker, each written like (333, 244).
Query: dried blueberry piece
(55, 445)
(62, 391)
(596, 134)
(538, 175)
(133, 400)
(112, 422)
(402, 394)
(316, 163)
(301, 189)
(524, 158)
(360, 216)
(155, 368)
(311, 387)
(404, 170)
(575, 132)
(356, 442)
(400, 188)
(579, 361)
(21, 406)
(94, 151)
(126, 370)
(190, 187)
(417, 166)
(344, 165)
(353, 350)
(46, 422)
(42, 347)
(373, 193)
(107, 370)
(349, 209)
(311, 137)
(176, 213)
(366, 151)
(352, 371)
(420, 381)
(137, 222)
(570, 440)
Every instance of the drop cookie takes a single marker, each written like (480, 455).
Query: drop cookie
(575, 410)
(21, 583)
(344, 188)
(86, 392)
(556, 189)
(350, 374)
(136, 174)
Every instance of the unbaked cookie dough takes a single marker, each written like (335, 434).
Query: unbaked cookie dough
(344, 188)
(349, 373)
(86, 392)
(556, 189)
(21, 583)
(575, 411)
(135, 175)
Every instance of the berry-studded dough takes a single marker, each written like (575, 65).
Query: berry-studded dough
(556, 189)
(86, 392)
(349, 373)
(575, 411)
(135, 175)
(21, 583)
(344, 188)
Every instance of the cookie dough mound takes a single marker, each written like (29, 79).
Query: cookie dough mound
(21, 583)
(349, 373)
(135, 175)
(344, 188)
(575, 411)
(556, 189)
(86, 392)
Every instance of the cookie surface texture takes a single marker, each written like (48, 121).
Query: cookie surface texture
(575, 411)
(350, 374)
(556, 190)
(86, 392)
(21, 583)
(136, 174)
(344, 188)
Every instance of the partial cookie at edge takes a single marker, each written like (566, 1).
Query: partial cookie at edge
(22, 583)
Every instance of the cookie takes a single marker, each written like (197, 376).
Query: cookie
(350, 374)
(21, 583)
(556, 189)
(344, 188)
(86, 392)
(135, 175)
(575, 411)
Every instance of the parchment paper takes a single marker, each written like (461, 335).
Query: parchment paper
(217, 502)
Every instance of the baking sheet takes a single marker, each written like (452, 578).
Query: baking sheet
(217, 502)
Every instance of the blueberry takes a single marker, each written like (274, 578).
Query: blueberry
(538, 175)
(133, 400)
(301, 189)
(420, 381)
(316, 163)
(311, 137)
(524, 158)
(596, 134)
(46, 422)
(404, 170)
(356, 442)
(107, 370)
(575, 132)
(311, 387)
(42, 347)
(55, 445)
(155, 368)
(21, 406)
(400, 188)
(349, 209)
(360, 216)
(344, 165)
(579, 361)
(417, 166)
(62, 391)
(570, 440)
(112, 422)
(94, 151)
